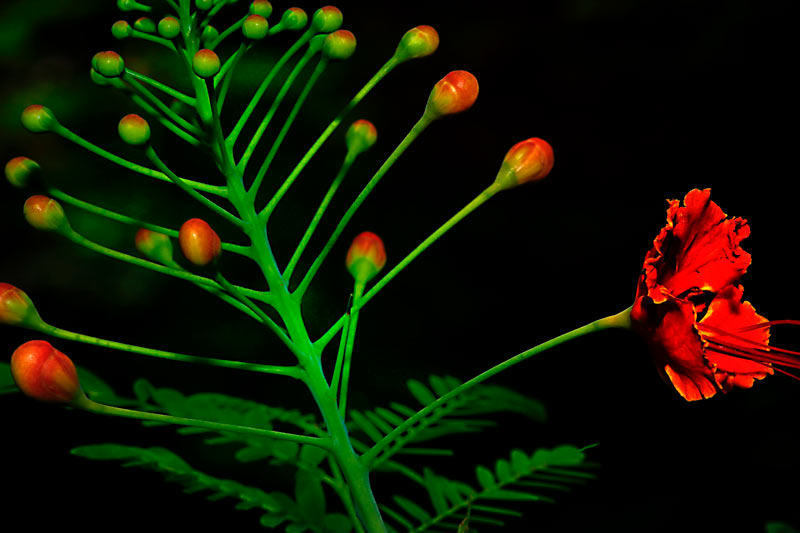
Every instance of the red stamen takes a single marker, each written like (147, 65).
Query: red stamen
(759, 356)
(770, 323)
(787, 373)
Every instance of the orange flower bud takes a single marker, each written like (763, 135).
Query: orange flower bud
(154, 246)
(45, 213)
(528, 160)
(339, 45)
(44, 373)
(205, 63)
(38, 118)
(454, 93)
(17, 309)
(200, 244)
(360, 137)
(326, 19)
(417, 42)
(20, 171)
(134, 130)
(366, 257)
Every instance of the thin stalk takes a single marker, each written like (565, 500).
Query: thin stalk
(92, 406)
(162, 107)
(136, 34)
(312, 80)
(337, 369)
(276, 102)
(224, 213)
(171, 126)
(348, 350)
(237, 129)
(291, 371)
(149, 172)
(226, 33)
(185, 98)
(227, 74)
(418, 128)
(384, 70)
(312, 226)
(619, 320)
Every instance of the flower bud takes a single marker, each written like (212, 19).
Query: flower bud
(17, 309)
(44, 373)
(366, 257)
(339, 45)
(154, 246)
(205, 63)
(134, 130)
(209, 35)
(121, 29)
(109, 64)
(326, 19)
(294, 19)
(199, 243)
(21, 170)
(204, 5)
(529, 160)
(132, 5)
(169, 27)
(360, 137)
(144, 24)
(417, 42)
(255, 27)
(454, 93)
(38, 118)
(261, 7)
(44, 213)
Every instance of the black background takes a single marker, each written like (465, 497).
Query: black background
(642, 101)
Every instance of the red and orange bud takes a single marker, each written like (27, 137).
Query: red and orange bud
(417, 42)
(44, 373)
(134, 130)
(121, 29)
(38, 118)
(199, 243)
(339, 45)
(109, 64)
(294, 19)
(144, 24)
(45, 213)
(454, 93)
(255, 27)
(261, 7)
(360, 137)
(366, 257)
(528, 160)
(21, 170)
(17, 309)
(154, 246)
(205, 63)
(326, 19)
(169, 27)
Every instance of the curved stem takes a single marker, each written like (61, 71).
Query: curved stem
(166, 43)
(619, 320)
(291, 371)
(348, 351)
(176, 94)
(226, 33)
(92, 406)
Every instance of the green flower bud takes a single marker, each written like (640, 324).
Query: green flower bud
(527, 161)
(326, 19)
(45, 214)
(134, 130)
(205, 63)
(204, 5)
(360, 137)
(169, 27)
(255, 27)
(145, 24)
(294, 19)
(109, 64)
(209, 35)
(154, 246)
(21, 170)
(17, 309)
(132, 5)
(38, 118)
(261, 7)
(121, 29)
(420, 41)
(339, 45)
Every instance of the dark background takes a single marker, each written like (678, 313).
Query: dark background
(642, 101)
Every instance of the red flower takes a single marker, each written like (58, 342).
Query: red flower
(689, 306)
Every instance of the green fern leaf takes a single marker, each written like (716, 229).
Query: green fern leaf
(422, 393)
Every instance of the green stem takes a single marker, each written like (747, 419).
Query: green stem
(337, 370)
(92, 406)
(619, 320)
(227, 215)
(291, 371)
(312, 227)
(226, 74)
(83, 143)
(136, 34)
(348, 350)
(418, 128)
(384, 70)
(237, 129)
(229, 30)
(276, 102)
(341, 490)
(186, 99)
(162, 107)
(171, 126)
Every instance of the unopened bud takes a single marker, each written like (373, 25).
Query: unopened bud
(454, 93)
(44, 373)
(199, 243)
(38, 118)
(261, 7)
(204, 5)
(205, 63)
(169, 27)
(121, 29)
(294, 19)
(154, 246)
(44, 213)
(339, 45)
(17, 309)
(255, 27)
(526, 161)
(366, 257)
(134, 130)
(109, 64)
(420, 41)
(21, 170)
(360, 137)
(326, 19)
(144, 24)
